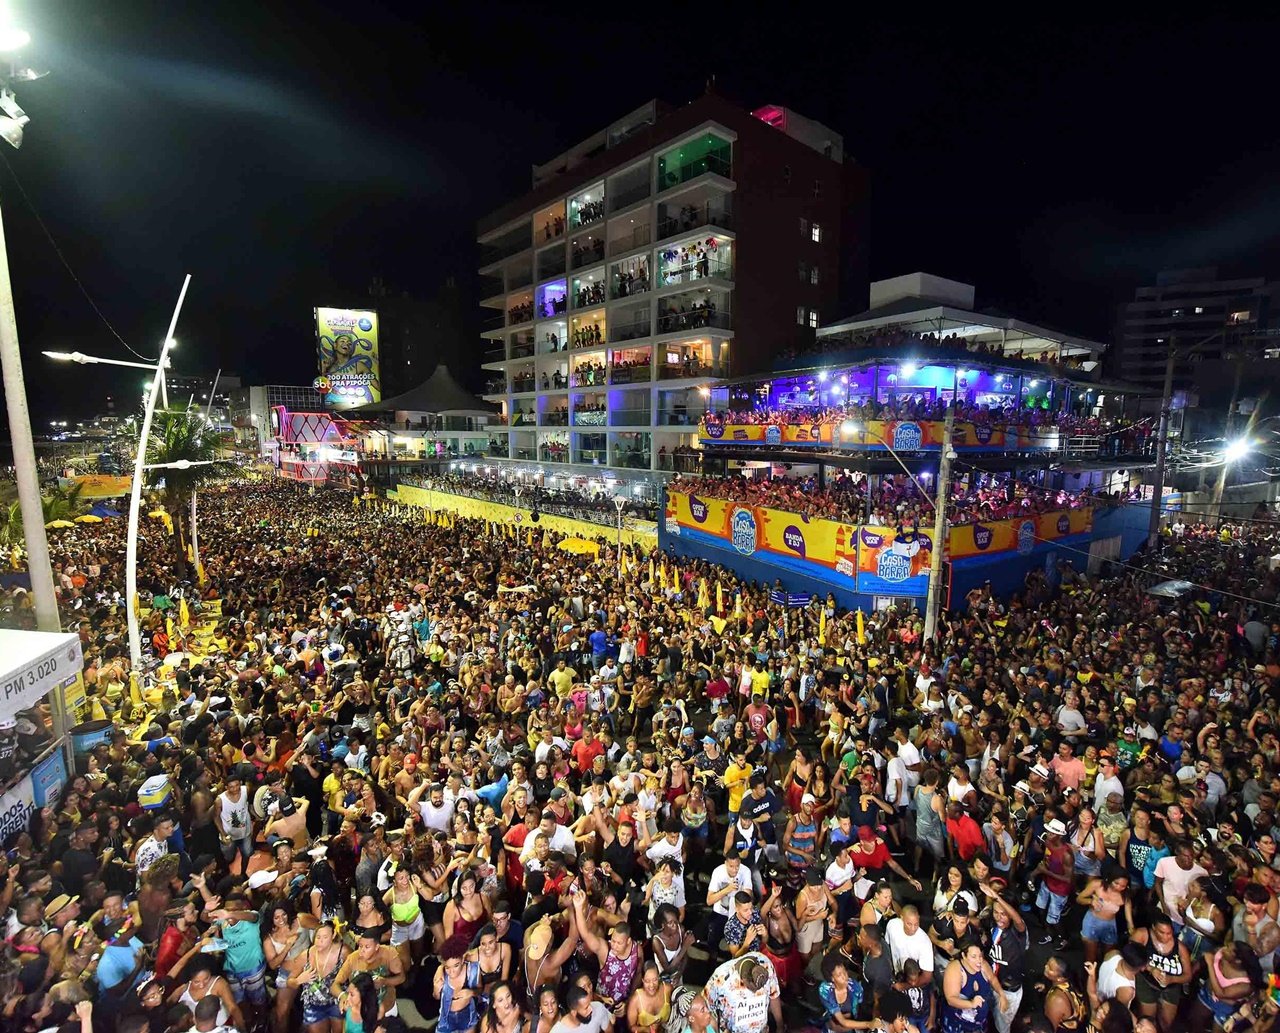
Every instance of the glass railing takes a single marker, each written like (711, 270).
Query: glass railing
(591, 294)
(680, 417)
(680, 462)
(632, 460)
(489, 286)
(520, 279)
(631, 288)
(498, 449)
(490, 253)
(712, 163)
(550, 264)
(593, 377)
(587, 337)
(554, 455)
(697, 271)
(593, 418)
(629, 418)
(520, 314)
(630, 331)
(695, 320)
(495, 354)
(629, 241)
(593, 455)
(524, 419)
(694, 218)
(631, 374)
(522, 385)
(551, 229)
(521, 351)
(587, 214)
(622, 198)
(558, 418)
(684, 371)
(587, 255)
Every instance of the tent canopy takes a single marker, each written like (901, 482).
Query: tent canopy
(34, 662)
(440, 393)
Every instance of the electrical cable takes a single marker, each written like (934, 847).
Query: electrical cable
(67, 265)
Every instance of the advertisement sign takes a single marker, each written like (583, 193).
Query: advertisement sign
(772, 435)
(347, 357)
(1020, 534)
(880, 435)
(48, 777)
(98, 485)
(16, 808)
(893, 563)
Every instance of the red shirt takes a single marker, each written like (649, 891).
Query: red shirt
(585, 752)
(872, 862)
(967, 834)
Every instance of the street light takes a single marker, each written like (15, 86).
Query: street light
(620, 503)
(135, 496)
(1236, 450)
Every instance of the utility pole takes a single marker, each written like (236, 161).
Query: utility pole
(934, 602)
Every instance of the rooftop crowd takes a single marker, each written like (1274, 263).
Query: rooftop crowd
(596, 507)
(449, 770)
(894, 338)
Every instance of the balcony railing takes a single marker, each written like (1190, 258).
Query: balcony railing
(550, 263)
(698, 271)
(523, 384)
(587, 255)
(551, 229)
(553, 453)
(592, 418)
(593, 377)
(524, 419)
(593, 455)
(499, 449)
(680, 462)
(684, 371)
(495, 354)
(521, 351)
(622, 198)
(692, 218)
(680, 417)
(696, 320)
(588, 295)
(631, 374)
(632, 288)
(624, 241)
(557, 418)
(490, 253)
(632, 460)
(712, 163)
(587, 214)
(521, 278)
(630, 331)
(520, 314)
(629, 418)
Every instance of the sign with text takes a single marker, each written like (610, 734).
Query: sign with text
(34, 662)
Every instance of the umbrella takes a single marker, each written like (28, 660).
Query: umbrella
(59, 523)
(88, 518)
(1171, 589)
(577, 546)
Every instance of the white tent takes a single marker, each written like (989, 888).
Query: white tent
(31, 664)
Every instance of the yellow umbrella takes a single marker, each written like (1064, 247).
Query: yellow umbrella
(577, 546)
(88, 518)
(59, 523)
(157, 514)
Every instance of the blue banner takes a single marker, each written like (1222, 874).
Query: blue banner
(48, 777)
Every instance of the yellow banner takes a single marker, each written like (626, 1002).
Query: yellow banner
(99, 485)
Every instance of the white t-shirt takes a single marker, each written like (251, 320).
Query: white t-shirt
(901, 946)
(1103, 788)
(1109, 978)
(895, 785)
(909, 755)
(720, 878)
(600, 1019)
(1175, 884)
(436, 817)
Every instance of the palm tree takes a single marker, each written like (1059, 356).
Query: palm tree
(178, 436)
(58, 504)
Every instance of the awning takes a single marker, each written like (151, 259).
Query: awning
(34, 662)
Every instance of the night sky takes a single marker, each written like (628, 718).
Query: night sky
(285, 160)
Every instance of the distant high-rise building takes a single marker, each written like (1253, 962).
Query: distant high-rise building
(671, 248)
(1185, 307)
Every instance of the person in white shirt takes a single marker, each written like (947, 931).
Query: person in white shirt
(910, 757)
(436, 811)
(907, 940)
(1107, 782)
(726, 881)
(558, 838)
(895, 783)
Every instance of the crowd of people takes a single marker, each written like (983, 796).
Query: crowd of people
(896, 500)
(681, 316)
(590, 294)
(691, 261)
(629, 282)
(587, 335)
(895, 338)
(449, 769)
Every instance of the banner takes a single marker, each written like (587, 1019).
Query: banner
(347, 357)
(893, 564)
(48, 777)
(799, 435)
(881, 435)
(790, 599)
(34, 662)
(1020, 534)
(98, 485)
(16, 808)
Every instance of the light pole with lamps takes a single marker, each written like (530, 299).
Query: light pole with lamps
(620, 503)
(80, 358)
(135, 495)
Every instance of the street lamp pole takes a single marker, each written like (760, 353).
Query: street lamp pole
(135, 495)
(933, 605)
(620, 504)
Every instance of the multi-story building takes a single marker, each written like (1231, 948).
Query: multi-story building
(674, 247)
(250, 408)
(1185, 307)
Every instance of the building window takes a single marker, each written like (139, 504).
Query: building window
(801, 316)
(817, 189)
(804, 271)
(813, 275)
(1239, 316)
(804, 226)
(786, 173)
(813, 318)
(816, 233)
(1199, 310)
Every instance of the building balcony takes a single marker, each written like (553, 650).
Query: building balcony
(679, 418)
(589, 336)
(704, 270)
(694, 217)
(523, 385)
(629, 240)
(632, 460)
(589, 295)
(493, 253)
(641, 374)
(709, 164)
(587, 214)
(696, 319)
(590, 376)
(553, 453)
(689, 370)
(588, 255)
(632, 287)
(630, 331)
(554, 418)
(520, 314)
(689, 461)
(499, 449)
(552, 228)
(629, 417)
(593, 456)
(626, 198)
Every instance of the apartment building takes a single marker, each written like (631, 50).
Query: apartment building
(670, 249)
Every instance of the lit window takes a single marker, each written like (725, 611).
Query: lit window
(813, 318)
(801, 315)
(816, 233)
(1199, 310)
(804, 226)
(813, 276)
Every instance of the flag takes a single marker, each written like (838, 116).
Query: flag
(184, 613)
(528, 539)
(704, 595)
(199, 573)
(822, 627)
(653, 577)
(737, 605)
(719, 598)
(862, 629)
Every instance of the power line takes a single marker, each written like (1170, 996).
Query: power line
(67, 265)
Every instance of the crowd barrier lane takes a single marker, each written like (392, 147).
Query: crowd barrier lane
(643, 533)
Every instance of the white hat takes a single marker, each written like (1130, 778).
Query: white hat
(318, 851)
(1053, 827)
(1040, 770)
(262, 878)
(377, 819)
(1022, 787)
(808, 798)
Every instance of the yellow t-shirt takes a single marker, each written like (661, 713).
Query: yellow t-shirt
(760, 682)
(562, 681)
(735, 780)
(332, 787)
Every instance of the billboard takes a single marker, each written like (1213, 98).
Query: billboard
(347, 357)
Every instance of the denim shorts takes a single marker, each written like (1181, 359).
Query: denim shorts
(1055, 903)
(316, 1013)
(1099, 930)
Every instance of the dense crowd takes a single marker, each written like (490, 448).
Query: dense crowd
(896, 500)
(896, 338)
(450, 769)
